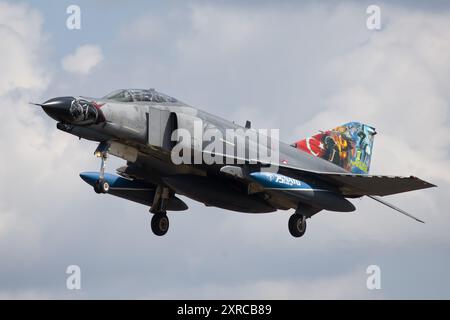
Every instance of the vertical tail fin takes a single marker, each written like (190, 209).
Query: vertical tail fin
(348, 146)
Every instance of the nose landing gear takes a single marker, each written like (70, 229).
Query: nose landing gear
(101, 185)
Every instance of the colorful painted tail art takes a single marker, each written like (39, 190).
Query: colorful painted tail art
(348, 146)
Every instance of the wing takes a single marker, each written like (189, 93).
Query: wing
(374, 185)
(354, 185)
(351, 184)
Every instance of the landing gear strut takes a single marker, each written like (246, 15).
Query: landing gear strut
(297, 225)
(101, 185)
(160, 221)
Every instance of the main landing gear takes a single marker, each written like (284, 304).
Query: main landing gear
(160, 221)
(297, 222)
(160, 224)
(297, 225)
(101, 185)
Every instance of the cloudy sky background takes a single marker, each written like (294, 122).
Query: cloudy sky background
(296, 66)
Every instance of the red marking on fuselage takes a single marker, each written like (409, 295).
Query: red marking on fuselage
(101, 116)
(98, 106)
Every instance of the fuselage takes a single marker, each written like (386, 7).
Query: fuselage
(172, 148)
(140, 133)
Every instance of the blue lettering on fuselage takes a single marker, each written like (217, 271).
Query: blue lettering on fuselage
(271, 180)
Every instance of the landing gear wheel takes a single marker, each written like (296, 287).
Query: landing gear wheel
(160, 224)
(97, 187)
(101, 186)
(297, 225)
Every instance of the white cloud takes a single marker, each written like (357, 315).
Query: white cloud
(83, 59)
(22, 68)
(394, 82)
(33, 153)
(21, 32)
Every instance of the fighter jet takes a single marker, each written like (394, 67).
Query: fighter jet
(147, 128)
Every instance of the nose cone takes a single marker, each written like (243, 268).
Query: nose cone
(59, 108)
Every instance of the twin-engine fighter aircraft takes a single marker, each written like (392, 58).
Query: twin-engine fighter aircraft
(162, 140)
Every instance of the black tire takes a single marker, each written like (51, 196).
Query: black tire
(297, 225)
(101, 186)
(97, 187)
(160, 224)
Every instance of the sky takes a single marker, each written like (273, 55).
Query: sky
(296, 66)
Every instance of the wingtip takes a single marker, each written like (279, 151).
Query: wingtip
(418, 220)
(430, 185)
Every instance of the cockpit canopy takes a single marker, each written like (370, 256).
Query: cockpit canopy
(136, 95)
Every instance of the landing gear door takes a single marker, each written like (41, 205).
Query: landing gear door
(160, 124)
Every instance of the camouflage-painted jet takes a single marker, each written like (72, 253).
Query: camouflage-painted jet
(314, 174)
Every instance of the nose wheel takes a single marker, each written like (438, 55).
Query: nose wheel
(101, 185)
